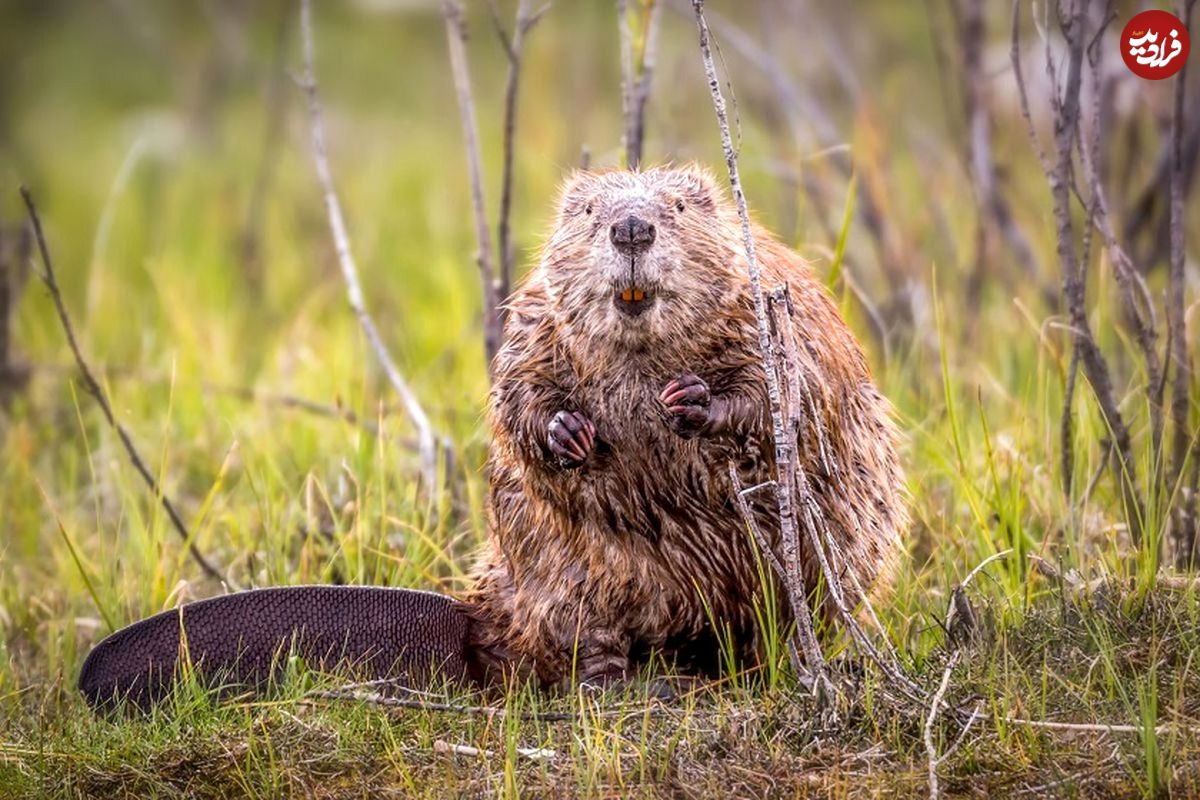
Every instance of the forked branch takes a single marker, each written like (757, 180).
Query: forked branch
(791, 403)
(790, 544)
(1073, 15)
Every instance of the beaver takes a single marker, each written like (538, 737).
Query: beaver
(629, 380)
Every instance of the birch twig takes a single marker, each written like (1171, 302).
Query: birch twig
(456, 37)
(426, 437)
(790, 544)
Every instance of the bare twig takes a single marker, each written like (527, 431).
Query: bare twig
(420, 704)
(959, 607)
(456, 37)
(1014, 55)
(252, 395)
(298, 403)
(991, 202)
(1098, 727)
(1147, 223)
(626, 38)
(14, 260)
(789, 394)
(1179, 357)
(1059, 175)
(637, 73)
(1136, 303)
(962, 734)
(934, 707)
(423, 701)
(802, 415)
(790, 543)
(532, 753)
(804, 626)
(514, 46)
(94, 389)
(983, 565)
(337, 225)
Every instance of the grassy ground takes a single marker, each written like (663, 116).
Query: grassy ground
(143, 134)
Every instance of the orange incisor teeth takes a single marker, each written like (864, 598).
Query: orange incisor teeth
(627, 295)
(639, 295)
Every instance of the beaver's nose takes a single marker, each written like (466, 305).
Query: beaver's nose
(632, 235)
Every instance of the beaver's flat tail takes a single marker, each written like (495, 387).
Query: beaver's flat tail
(240, 641)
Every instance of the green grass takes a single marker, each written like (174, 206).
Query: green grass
(164, 304)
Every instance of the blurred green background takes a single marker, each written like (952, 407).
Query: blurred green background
(167, 146)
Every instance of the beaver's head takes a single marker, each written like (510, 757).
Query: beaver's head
(638, 259)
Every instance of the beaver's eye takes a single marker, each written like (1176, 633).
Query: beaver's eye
(588, 209)
(679, 205)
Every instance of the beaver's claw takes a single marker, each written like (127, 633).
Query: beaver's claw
(689, 405)
(572, 436)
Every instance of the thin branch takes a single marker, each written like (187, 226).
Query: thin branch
(1134, 294)
(14, 257)
(1179, 357)
(803, 109)
(94, 389)
(421, 702)
(802, 415)
(1098, 727)
(788, 390)
(934, 706)
(991, 202)
(804, 626)
(962, 735)
(387, 701)
(1059, 175)
(456, 37)
(514, 46)
(637, 74)
(337, 225)
(252, 395)
(626, 39)
(794, 577)
(959, 606)
(298, 403)
(982, 565)
(532, 753)
(1015, 56)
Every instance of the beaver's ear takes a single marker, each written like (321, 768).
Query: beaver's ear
(575, 193)
(699, 186)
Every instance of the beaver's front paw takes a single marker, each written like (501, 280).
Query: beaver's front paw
(572, 437)
(689, 405)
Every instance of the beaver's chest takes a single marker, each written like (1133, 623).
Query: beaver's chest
(643, 479)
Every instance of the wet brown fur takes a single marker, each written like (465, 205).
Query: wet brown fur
(639, 548)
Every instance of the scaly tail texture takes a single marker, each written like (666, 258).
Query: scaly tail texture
(241, 640)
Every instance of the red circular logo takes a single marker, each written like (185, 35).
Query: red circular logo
(1154, 45)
